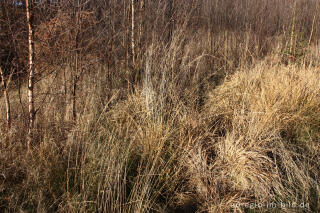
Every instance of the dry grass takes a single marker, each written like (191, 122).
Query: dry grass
(216, 121)
(266, 149)
(254, 141)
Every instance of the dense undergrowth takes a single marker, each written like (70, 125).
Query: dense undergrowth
(256, 140)
(226, 124)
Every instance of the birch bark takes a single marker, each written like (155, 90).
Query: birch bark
(5, 84)
(29, 7)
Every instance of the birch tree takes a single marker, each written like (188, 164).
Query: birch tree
(133, 32)
(5, 85)
(29, 12)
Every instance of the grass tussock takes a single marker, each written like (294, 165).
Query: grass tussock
(266, 146)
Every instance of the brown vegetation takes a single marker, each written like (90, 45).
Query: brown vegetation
(161, 106)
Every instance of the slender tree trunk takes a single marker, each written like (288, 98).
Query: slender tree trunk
(74, 102)
(74, 89)
(169, 17)
(29, 8)
(133, 41)
(126, 43)
(313, 22)
(8, 109)
(292, 35)
(209, 17)
(141, 16)
(111, 48)
(132, 33)
(5, 85)
(77, 60)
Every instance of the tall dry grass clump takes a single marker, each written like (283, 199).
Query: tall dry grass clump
(266, 144)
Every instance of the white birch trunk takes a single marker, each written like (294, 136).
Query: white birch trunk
(5, 85)
(29, 7)
(132, 33)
